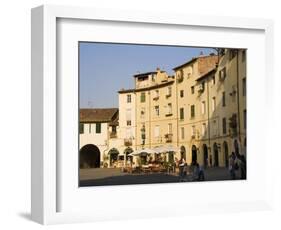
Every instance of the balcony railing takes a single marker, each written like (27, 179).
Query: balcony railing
(113, 135)
(169, 137)
(128, 142)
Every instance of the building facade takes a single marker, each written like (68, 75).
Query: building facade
(201, 111)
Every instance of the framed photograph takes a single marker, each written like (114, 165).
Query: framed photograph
(140, 114)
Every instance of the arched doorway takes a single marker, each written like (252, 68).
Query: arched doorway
(193, 154)
(113, 157)
(236, 147)
(183, 152)
(216, 155)
(129, 159)
(89, 156)
(205, 152)
(225, 151)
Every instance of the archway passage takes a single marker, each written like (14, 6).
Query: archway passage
(216, 155)
(129, 159)
(113, 157)
(183, 152)
(225, 150)
(205, 152)
(193, 154)
(89, 156)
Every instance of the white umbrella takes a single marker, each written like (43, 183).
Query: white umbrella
(159, 149)
(168, 148)
(145, 151)
(171, 148)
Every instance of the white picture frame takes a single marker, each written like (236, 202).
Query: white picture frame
(49, 190)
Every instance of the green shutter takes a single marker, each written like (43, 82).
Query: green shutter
(98, 127)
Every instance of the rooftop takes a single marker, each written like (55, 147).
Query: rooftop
(193, 60)
(144, 74)
(98, 115)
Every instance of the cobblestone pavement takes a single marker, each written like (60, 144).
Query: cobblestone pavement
(114, 176)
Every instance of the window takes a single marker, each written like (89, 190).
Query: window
(156, 94)
(182, 132)
(223, 99)
(129, 98)
(169, 91)
(181, 93)
(81, 128)
(143, 133)
(142, 98)
(222, 74)
(224, 125)
(142, 113)
(98, 127)
(193, 131)
(214, 80)
(192, 111)
(245, 118)
(181, 113)
(170, 128)
(203, 107)
(128, 117)
(157, 131)
(192, 89)
(244, 86)
(213, 104)
(204, 129)
(169, 109)
(156, 110)
(215, 128)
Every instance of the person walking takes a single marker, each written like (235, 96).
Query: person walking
(181, 168)
(231, 168)
(211, 161)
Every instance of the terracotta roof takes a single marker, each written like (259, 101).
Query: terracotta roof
(212, 70)
(146, 88)
(98, 115)
(195, 59)
(144, 74)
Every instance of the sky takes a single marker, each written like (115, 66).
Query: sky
(105, 68)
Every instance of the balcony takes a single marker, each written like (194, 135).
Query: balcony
(169, 137)
(128, 142)
(113, 135)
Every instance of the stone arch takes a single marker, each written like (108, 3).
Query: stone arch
(113, 157)
(183, 152)
(216, 155)
(225, 152)
(193, 154)
(205, 155)
(89, 156)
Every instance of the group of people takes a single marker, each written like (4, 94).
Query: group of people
(196, 171)
(237, 161)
